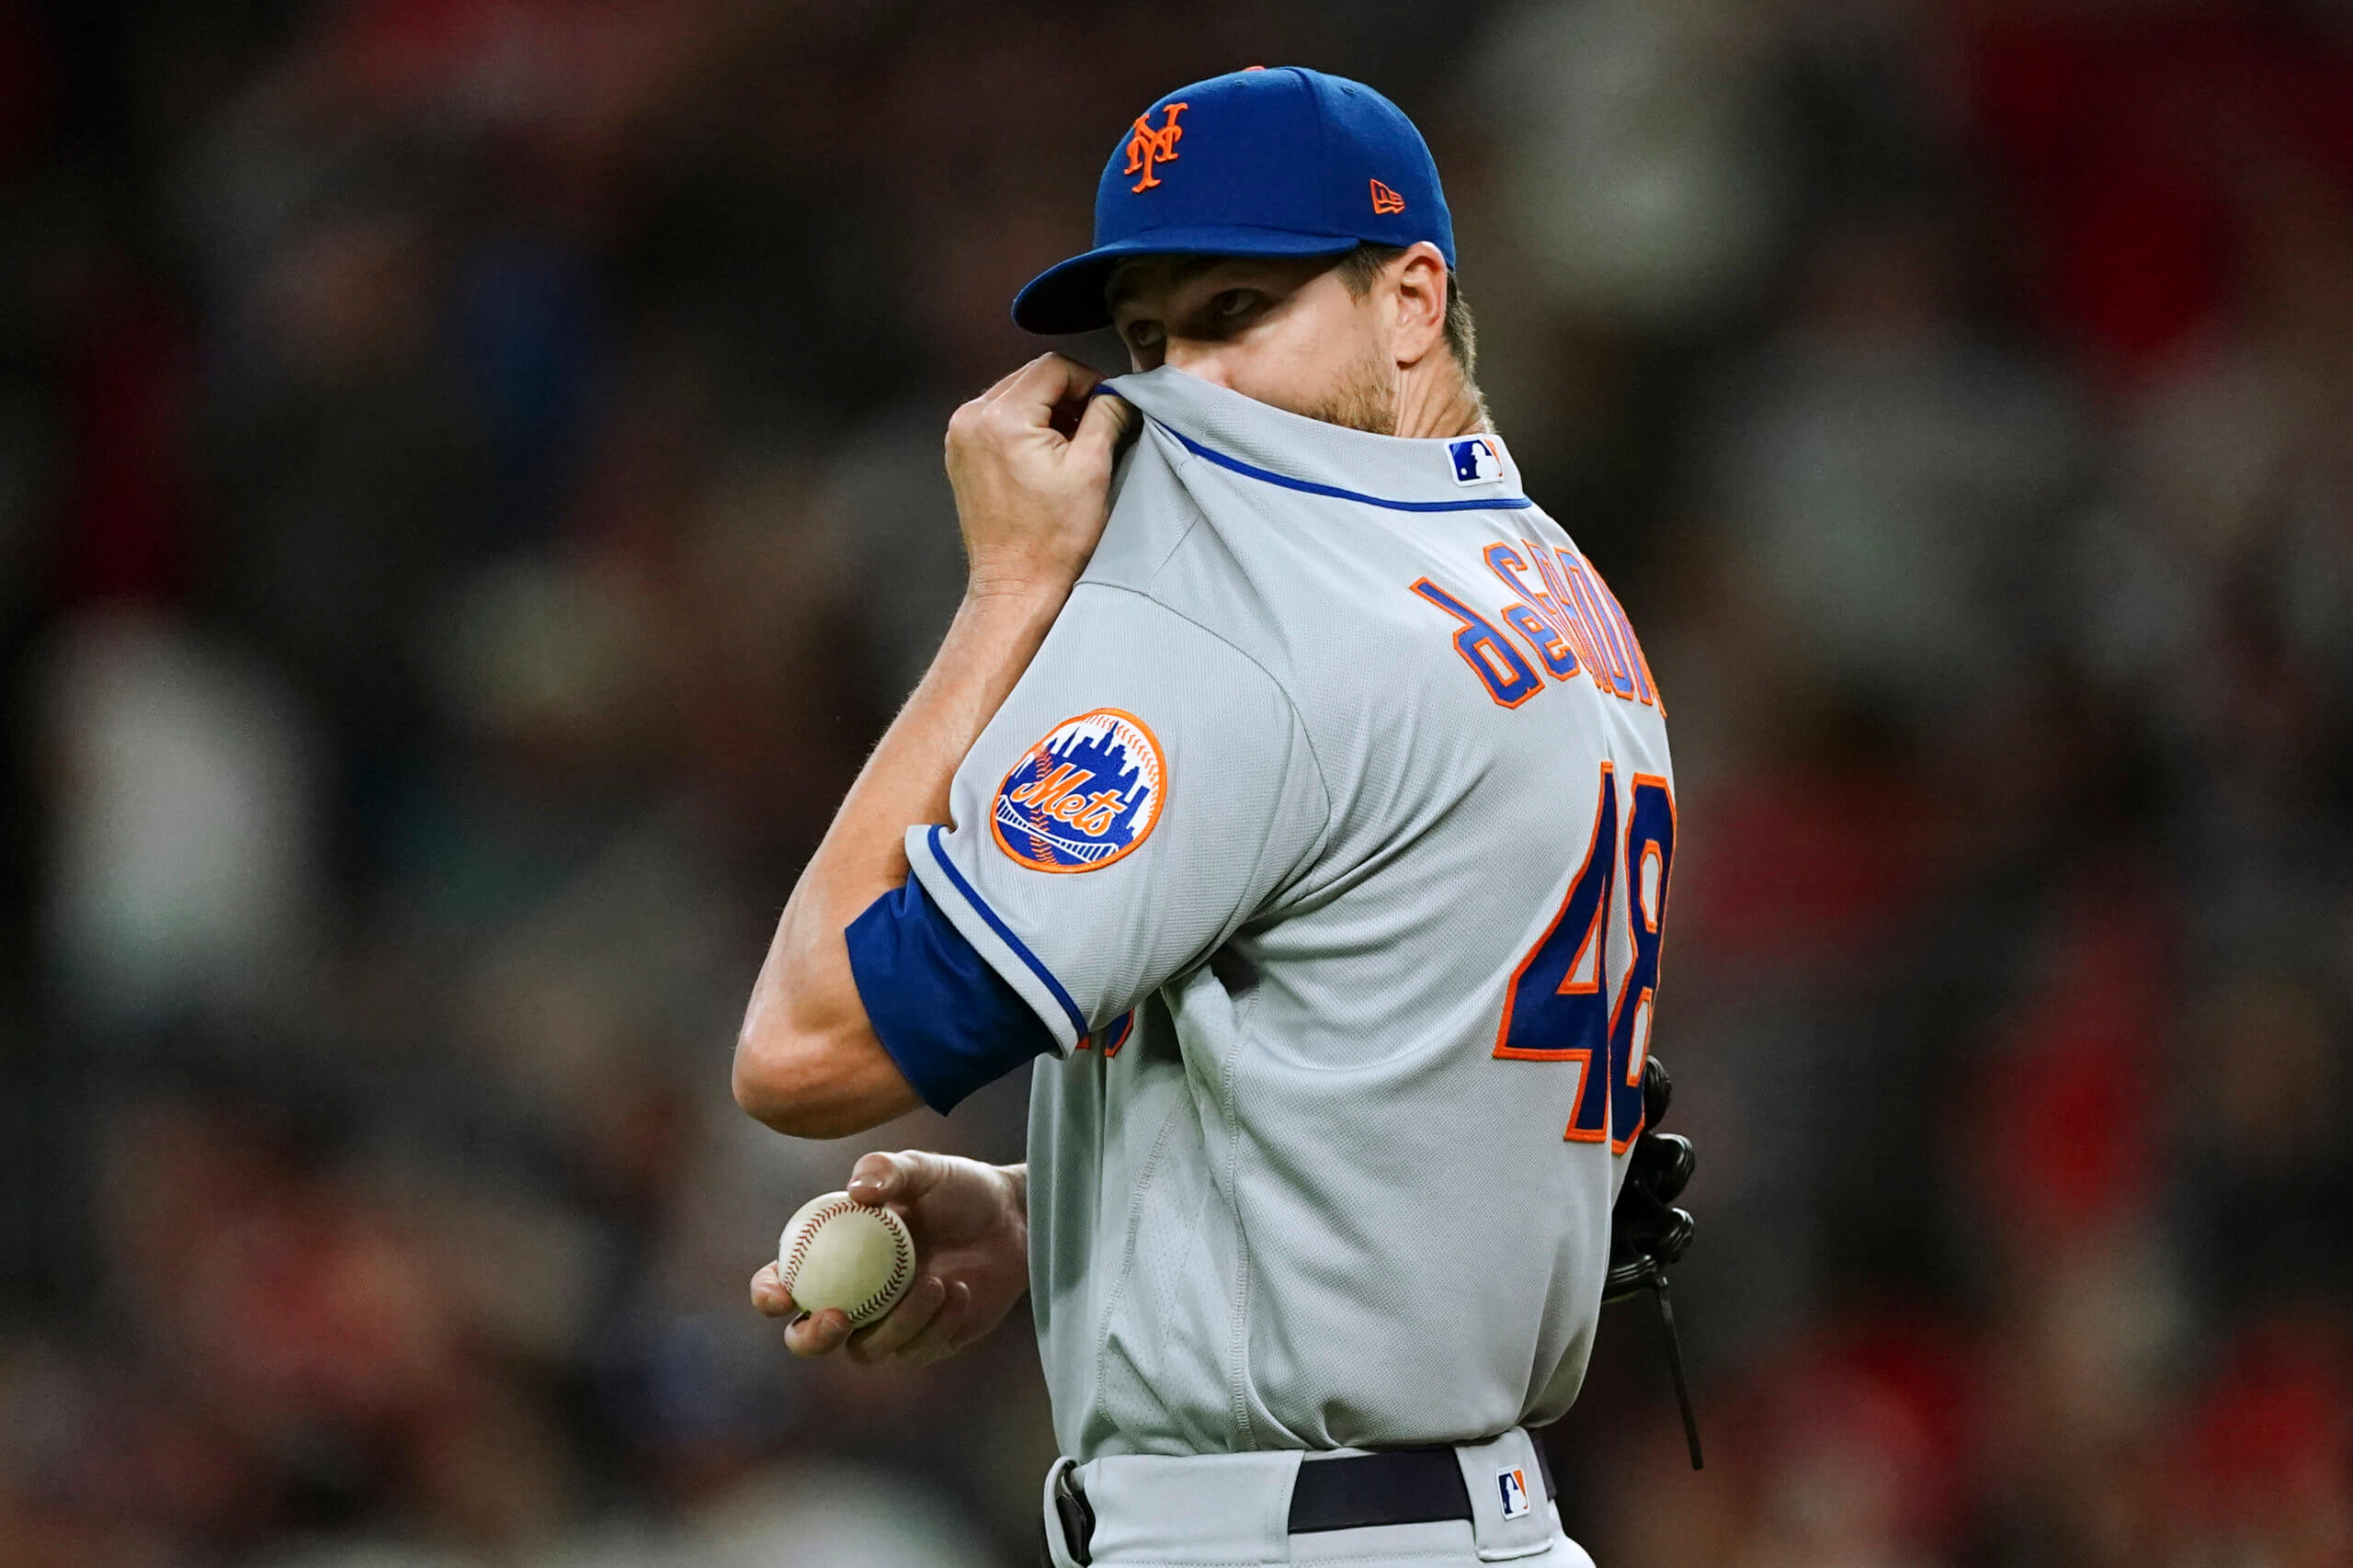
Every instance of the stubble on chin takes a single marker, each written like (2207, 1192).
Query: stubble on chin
(1365, 399)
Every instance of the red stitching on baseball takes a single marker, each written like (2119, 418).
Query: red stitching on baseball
(901, 1259)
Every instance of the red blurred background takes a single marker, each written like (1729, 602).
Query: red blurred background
(469, 492)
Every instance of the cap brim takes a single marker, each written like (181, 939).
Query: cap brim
(1068, 296)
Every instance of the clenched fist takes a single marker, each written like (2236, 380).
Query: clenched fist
(1030, 460)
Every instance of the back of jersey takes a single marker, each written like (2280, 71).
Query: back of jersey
(1366, 1003)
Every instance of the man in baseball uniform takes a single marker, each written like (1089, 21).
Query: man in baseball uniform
(1292, 792)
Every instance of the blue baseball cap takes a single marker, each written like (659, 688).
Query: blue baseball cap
(1287, 162)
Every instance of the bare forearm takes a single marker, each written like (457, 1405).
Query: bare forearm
(806, 992)
(904, 783)
(1031, 502)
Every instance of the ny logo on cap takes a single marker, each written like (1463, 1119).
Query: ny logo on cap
(1147, 146)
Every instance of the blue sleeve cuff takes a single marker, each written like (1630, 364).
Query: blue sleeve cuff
(947, 1017)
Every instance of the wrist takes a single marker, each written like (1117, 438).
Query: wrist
(1016, 593)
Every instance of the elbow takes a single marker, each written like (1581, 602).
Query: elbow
(809, 1082)
(759, 1080)
(778, 1080)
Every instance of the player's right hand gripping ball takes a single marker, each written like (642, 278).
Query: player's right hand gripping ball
(1646, 1231)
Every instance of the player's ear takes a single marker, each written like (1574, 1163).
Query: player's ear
(1418, 277)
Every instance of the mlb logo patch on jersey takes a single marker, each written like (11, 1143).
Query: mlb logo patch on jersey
(1513, 1485)
(1478, 459)
(1083, 796)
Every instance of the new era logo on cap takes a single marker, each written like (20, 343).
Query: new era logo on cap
(1385, 200)
(1513, 1485)
(1478, 459)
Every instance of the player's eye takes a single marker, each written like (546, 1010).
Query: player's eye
(1145, 335)
(1234, 305)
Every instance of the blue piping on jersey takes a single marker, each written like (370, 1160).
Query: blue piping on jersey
(1078, 1018)
(1494, 504)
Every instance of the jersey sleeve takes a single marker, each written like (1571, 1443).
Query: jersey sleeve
(1141, 795)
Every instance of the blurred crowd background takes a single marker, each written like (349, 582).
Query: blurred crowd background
(469, 492)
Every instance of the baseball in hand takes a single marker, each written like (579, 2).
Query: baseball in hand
(835, 1253)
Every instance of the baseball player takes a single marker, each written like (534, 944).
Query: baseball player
(1295, 795)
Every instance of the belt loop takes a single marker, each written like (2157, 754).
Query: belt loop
(1510, 1516)
(1069, 1517)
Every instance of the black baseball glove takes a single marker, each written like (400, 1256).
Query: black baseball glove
(1646, 1231)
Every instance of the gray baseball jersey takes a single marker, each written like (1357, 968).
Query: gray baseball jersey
(1329, 834)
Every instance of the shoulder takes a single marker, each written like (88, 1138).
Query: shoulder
(1213, 573)
(1152, 515)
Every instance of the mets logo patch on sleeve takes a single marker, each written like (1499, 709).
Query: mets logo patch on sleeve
(1084, 796)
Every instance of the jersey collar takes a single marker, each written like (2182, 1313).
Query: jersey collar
(1464, 473)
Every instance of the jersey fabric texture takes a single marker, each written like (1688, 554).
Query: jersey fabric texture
(1283, 1193)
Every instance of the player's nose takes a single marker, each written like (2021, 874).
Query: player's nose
(1201, 361)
